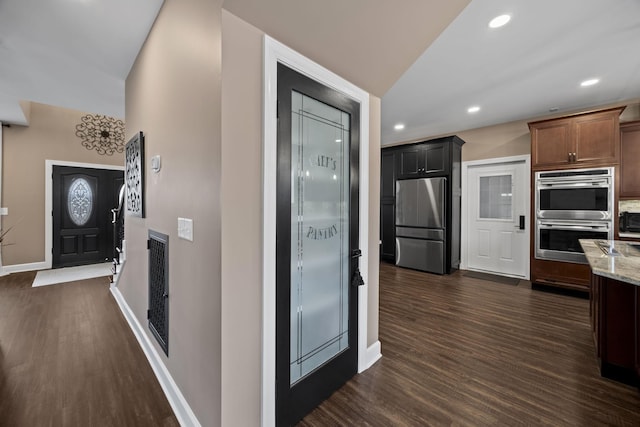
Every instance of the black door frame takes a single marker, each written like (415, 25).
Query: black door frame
(293, 402)
(274, 53)
(48, 204)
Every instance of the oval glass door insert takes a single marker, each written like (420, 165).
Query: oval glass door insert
(80, 202)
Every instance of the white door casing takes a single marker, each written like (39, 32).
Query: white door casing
(496, 193)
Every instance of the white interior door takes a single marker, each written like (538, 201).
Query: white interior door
(497, 207)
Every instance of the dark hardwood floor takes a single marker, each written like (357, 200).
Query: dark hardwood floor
(456, 351)
(68, 358)
(468, 352)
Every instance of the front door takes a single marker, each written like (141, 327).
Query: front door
(316, 243)
(82, 223)
(497, 225)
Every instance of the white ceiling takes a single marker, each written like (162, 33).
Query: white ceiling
(77, 54)
(69, 53)
(520, 71)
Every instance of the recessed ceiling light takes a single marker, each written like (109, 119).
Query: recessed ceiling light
(473, 109)
(338, 140)
(399, 126)
(589, 82)
(499, 21)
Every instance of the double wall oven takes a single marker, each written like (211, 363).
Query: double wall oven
(571, 205)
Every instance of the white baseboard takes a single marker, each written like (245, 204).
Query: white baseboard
(20, 268)
(178, 403)
(372, 355)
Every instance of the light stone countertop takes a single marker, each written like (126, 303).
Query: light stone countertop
(614, 259)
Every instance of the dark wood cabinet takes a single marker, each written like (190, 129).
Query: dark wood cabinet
(423, 160)
(435, 158)
(630, 160)
(596, 137)
(388, 174)
(387, 205)
(387, 232)
(594, 310)
(582, 140)
(638, 333)
(590, 139)
(551, 143)
(559, 274)
(615, 322)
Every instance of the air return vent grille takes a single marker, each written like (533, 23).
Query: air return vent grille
(158, 312)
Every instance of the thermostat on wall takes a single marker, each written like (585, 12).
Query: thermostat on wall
(155, 163)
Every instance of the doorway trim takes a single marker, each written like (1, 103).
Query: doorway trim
(464, 236)
(48, 203)
(275, 52)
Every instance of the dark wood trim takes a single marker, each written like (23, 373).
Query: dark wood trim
(619, 110)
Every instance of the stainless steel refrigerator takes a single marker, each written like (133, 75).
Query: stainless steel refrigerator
(421, 224)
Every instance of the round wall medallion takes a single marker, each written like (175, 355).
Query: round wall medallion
(101, 133)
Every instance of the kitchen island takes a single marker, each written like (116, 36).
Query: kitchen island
(615, 306)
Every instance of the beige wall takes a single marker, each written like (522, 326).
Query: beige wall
(173, 95)
(631, 113)
(374, 219)
(241, 222)
(510, 139)
(49, 136)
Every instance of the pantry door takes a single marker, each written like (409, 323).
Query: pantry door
(316, 243)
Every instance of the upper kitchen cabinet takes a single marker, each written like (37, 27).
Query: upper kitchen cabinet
(423, 160)
(582, 140)
(630, 160)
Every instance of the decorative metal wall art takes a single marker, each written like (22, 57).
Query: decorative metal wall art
(134, 175)
(101, 133)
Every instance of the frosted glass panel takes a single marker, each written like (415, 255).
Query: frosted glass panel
(496, 197)
(80, 202)
(319, 234)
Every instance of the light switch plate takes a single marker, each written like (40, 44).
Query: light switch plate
(185, 229)
(4, 211)
(156, 163)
